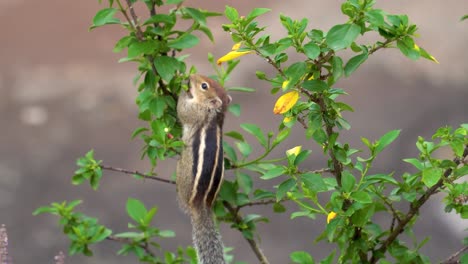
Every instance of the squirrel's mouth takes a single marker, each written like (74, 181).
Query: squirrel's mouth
(189, 91)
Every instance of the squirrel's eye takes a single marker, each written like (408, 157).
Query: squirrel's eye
(204, 86)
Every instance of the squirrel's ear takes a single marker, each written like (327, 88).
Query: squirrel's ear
(229, 99)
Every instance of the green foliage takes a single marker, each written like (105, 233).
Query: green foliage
(344, 192)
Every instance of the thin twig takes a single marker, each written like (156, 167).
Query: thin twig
(143, 245)
(253, 244)
(146, 176)
(454, 258)
(413, 210)
(262, 202)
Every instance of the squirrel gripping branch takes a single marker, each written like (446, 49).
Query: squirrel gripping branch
(200, 170)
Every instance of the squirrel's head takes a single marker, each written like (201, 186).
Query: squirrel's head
(208, 92)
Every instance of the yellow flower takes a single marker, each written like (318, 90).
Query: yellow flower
(287, 119)
(233, 54)
(286, 102)
(331, 216)
(296, 150)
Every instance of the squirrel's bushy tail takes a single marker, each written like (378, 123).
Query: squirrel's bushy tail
(206, 238)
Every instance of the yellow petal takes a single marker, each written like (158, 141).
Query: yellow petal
(232, 55)
(296, 150)
(237, 46)
(286, 102)
(331, 216)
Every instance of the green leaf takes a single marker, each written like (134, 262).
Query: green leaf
(136, 210)
(166, 67)
(45, 209)
(431, 176)
(337, 66)
(361, 196)
(415, 162)
(311, 50)
(241, 89)
(255, 131)
(375, 17)
(282, 135)
(381, 178)
(138, 131)
(104, 17)
(284, 187)
(166, 233)
(231, 13)
(174, 2)
(302, 156)
(123, 43)
(464, 17)
(161, 18)
(355, 62)
(408, 48)
(244, 148)
(235, 135)
(347, 181)
(138, 48)
(245, 181)
(273, 173)
(257, 12)
(386, 139)
(314, 182)
(184, 42)
(301, 257)
(235, 109)
(196, 15)
(342, 36)
(315, 85)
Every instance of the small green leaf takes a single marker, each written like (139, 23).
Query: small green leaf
(430, 176)
(138, 48)
(166, 67)
(301, 257)
(136, 210)
(255, 131)
(354, 63)
(273, 173)
(302, 156)
(282, 135)
(408, 48)
(347, 181)
(161, 18)
(415, 162)
(184, 42)
(342, 36)
(166, 233)
(244, 148)
(279, 208)
(245, 181)
(235, 109)
(311, 50)
(196, 15)
(361, 196)
(257, 12)
(174, 2)
(337, 66)
(314, 182)
(386, 139)
(285, 187)
(134, 235)
(315, 85)
(235, 135)
(461, 19)
(104, 17)
(241, 89)
(231, 13)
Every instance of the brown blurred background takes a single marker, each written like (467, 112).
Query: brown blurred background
(63, 93)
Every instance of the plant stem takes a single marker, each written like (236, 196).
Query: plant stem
(253, 244)
(413, 210)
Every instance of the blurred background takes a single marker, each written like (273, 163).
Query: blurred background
(63, 93)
